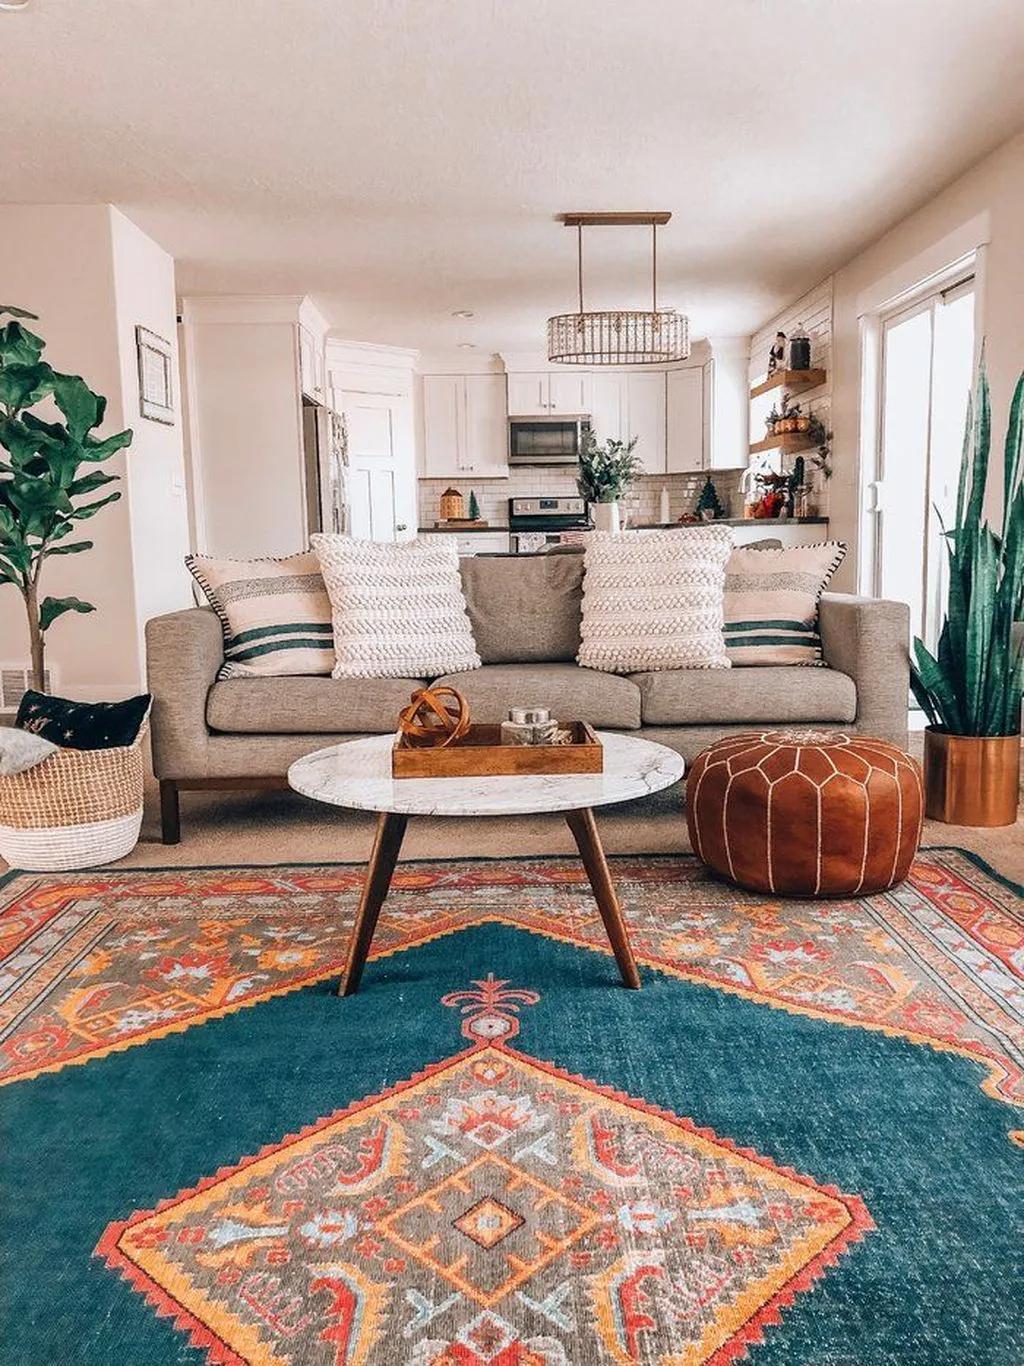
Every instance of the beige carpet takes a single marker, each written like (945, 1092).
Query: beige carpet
(282, 827)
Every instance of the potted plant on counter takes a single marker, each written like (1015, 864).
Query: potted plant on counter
(605, 473)
(971, 689)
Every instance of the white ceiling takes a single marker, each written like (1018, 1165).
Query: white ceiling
(404, 158)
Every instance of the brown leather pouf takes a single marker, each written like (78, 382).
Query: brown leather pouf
(805, 813)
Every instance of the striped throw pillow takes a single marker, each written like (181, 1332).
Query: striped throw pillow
(276, 614)
(771, 602)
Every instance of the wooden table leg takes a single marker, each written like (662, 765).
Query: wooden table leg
(386, 844)
(584, 830)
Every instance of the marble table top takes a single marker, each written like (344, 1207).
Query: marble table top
(357, 774)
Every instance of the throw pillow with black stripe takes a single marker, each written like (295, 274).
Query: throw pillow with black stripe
(771, 602)
(275, 614)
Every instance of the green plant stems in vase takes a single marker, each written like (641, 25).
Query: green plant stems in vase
(43, 490)
(605, 473)
(971, 688)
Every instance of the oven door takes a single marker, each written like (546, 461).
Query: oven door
(545, 442)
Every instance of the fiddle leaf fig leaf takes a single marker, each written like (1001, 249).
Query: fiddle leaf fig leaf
(19, 346)
(72, 548)
(90, 509)
(52, 608)
(90, 482)
(83, 410)
(102, 449)
(23, 385)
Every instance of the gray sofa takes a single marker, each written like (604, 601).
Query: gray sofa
(525, 611)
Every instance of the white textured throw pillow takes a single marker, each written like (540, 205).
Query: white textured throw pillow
(398, 610)
(653, 600)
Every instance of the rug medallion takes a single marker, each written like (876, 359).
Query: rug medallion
(491, 1211)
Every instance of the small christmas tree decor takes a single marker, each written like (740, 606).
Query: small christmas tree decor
(708, 505)
(474, 507)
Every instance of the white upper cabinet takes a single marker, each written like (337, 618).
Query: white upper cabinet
(561, 394)
(607, 406)
(465, 427)
(441, 423)
(485, 426)
(569, 393)
(528, 395)
(645, 418)
(685, 420)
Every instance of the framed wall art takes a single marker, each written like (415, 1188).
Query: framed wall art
(156, 376)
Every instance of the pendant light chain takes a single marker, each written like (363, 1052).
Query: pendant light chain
(579, 261)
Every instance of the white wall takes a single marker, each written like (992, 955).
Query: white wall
(984, 207)
(158, 514)
(245, 425)
(86, 270)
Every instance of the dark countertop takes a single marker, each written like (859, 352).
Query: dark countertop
(644, 526)
(731, 521)
(462, 530)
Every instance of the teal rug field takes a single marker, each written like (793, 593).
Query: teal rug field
(493, 1153)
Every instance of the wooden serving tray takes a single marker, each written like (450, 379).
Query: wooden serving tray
(480, 754)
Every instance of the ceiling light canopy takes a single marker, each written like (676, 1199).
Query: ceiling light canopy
(618, 336)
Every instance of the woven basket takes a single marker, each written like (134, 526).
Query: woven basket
(77, 809)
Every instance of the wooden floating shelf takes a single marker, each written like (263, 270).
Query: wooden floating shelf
(793, 381)
(789, 443)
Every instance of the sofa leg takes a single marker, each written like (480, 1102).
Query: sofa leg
(170, 811)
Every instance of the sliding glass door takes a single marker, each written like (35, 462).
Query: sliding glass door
(927, 352)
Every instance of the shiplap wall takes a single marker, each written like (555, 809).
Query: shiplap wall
(814, 310)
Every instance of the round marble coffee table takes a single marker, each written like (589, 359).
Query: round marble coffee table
(357, 774)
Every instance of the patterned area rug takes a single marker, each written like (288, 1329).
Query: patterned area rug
(492, 1154)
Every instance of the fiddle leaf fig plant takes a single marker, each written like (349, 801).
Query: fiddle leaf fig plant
(46, 483)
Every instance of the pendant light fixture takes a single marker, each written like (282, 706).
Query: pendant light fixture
(618, 336)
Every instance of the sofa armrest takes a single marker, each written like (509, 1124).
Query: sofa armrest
(184, 651)
(868, 638)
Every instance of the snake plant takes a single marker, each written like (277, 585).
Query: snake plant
(973, 685)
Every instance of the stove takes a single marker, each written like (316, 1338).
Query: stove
(535, 523)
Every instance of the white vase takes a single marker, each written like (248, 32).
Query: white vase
(606, 517)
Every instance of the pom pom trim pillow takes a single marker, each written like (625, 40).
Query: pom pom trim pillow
(771, 602)
(275, 614)
(653, 600)
(398, 609)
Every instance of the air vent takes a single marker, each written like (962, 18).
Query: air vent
(15, 682)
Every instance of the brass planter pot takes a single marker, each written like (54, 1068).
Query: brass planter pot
(970, 779)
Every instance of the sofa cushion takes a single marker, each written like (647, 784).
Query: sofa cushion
(571, 693)
(689, 697)
(524, 608)
(308, 706)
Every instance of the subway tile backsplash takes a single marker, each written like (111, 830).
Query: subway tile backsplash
(642, 502)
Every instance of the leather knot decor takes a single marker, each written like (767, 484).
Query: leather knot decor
(435, 717)
(805, 813)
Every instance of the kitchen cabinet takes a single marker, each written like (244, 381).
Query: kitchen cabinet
(465, 426)
(549, 395)
(684, 420)
(483, 543)
(607, 406)
(645, 419)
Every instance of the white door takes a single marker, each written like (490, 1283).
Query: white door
(927, 353)
(685, 420)
(607, 406)
(484, 435)
(569, 393)
(645, 419)
(371, 432)
(441, 425)
(382, 504)
(528, 395)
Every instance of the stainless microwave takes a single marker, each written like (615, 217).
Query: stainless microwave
(546, 440)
